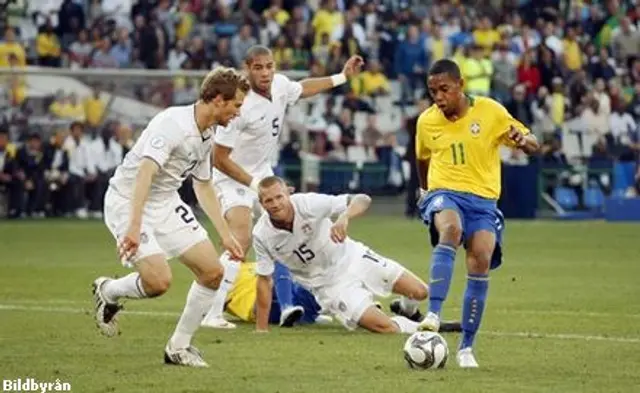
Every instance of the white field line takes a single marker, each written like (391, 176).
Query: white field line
(567, 313)
(534, 335)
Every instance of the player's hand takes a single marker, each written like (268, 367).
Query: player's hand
(516, 136)
(230, 244)
(353, 66)
(339, 229)
(128, 246)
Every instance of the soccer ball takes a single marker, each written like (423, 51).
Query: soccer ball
(426, 350)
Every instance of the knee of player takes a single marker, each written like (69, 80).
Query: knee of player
(479, 263)
(156, 285)
(211, 278)
(451, 232)
(421, 292)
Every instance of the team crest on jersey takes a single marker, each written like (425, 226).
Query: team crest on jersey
(342, 306)
(475, 128)
(240, 191)
(306, 229)
(144, 238)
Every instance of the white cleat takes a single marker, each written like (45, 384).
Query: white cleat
(430, 323)
(323, 319)
(105, 312)
(218, 323)
(189, 357)
(466, 359)
(290, 315)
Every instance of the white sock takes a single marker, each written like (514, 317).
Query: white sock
(129, 286)
(199, 300)
(405, 324)
(231, 269)
(409, 306)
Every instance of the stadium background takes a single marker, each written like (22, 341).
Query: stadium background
(568, 69)
(562, 315)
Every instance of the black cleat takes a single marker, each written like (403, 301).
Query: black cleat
(396, 308)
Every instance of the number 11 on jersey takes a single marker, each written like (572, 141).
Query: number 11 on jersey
(457, 151)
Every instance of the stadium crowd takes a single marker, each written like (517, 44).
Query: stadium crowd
(570, 70)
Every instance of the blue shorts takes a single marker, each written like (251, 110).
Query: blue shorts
(476, 214)
(301, 297)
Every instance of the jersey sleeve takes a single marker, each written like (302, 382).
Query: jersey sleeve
(504, 123)
(163, 137)
(226, 136)
(202, 171)
(264, 262)
(293, 89)
(423, 152)
(327, 205)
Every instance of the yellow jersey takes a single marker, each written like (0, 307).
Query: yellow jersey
(465, 154)
(241, 299)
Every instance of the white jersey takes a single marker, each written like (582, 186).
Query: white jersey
(172, 140)
(313, 258)
(254, 134)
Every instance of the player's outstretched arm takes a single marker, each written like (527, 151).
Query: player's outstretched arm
(313, 86)
(222, 161)
(357, 206)
(208, 200)
(263, 302)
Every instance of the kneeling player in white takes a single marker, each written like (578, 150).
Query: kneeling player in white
(343, 274)
(151, 223)
(244, 150)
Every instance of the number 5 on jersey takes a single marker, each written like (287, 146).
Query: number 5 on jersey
(275, 126)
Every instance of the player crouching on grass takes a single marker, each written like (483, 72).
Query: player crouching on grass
(344, 275)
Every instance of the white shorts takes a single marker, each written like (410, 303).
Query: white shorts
(352, 294)
(170, 230)
(233, 194)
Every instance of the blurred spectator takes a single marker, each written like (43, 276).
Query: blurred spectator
(31, 169)
(572, 53)
(371, 82)
(94, 109)
(56, 174)
(10, 185)
(10, 47)
(282, 53)
(529, 74)
(222, 55)
(519, 106)
(48, 46)
(326, 20)
(241, 42)
(626, 43)
(80, 51)
(505, 73)
(106, 154)
(81, 169)
(411, 62)
(301, 57)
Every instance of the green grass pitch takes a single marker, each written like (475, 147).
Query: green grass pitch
(563, 315)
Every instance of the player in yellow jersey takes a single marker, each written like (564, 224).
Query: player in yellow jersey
(457, 156)
(291, 303)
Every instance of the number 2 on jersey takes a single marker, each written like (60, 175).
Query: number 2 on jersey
(304, 254)
(457, 151)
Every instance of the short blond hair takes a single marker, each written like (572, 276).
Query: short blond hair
(223, 81)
